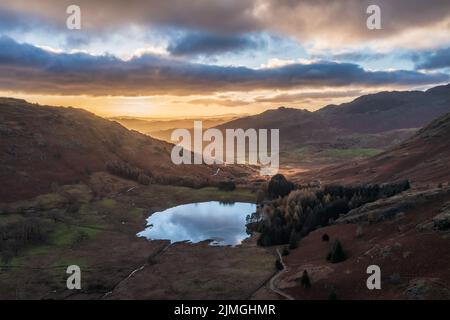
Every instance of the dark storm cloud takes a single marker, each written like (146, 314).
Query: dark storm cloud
(222, 15)
(303, 19)
(12, 20)
(26, 68)
(431, 60)
(200, 43)
(345, 20)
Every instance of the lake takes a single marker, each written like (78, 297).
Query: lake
(222, 223)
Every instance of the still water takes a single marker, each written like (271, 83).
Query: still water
(222, 223)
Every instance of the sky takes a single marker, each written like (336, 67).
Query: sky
(179, 58)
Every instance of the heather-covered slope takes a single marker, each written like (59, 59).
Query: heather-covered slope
(43, 145)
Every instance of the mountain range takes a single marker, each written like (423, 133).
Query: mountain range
(42, 145)
(365, 126)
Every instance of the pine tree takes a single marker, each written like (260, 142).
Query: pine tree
(279, 265)
(332, 296)
(306, 283)
(336, 253)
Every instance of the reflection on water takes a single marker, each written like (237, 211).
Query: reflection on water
(224, 223)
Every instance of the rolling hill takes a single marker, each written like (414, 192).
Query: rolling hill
(42, 145)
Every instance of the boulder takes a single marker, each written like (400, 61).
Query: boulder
(442, 220)
(395, 206)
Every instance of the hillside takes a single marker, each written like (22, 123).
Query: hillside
(41, 146)
(409, 244)
(424, 158)
(365, 126)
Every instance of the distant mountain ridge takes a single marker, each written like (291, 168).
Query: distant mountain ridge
(347, 125)
(162, 129)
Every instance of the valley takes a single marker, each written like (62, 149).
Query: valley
(196, 155)
(101, 238)
(77, 189)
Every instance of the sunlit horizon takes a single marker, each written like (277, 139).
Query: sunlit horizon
(146, 60)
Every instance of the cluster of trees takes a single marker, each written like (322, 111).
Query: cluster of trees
(16, 236)
(127, 171)
(285, 219)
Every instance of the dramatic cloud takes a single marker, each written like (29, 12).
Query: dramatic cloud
(339, 22)
(210, 44)
(222, 15)
(430, 60)
(345, 20)
(24, 67)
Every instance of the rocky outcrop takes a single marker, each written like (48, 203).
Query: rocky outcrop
(442, 220)
(389, 207)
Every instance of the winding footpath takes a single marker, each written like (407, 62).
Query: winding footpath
(272, 283)
(135, 271)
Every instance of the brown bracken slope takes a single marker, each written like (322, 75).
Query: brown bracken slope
(411, 252)
(423, 159)
(44, 145)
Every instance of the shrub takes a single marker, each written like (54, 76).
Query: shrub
(73, 207)
(7, 255)
(16, 236)
(304, 280)
(359, 232)
(151, 260)
(264, 239)
(260, 196)
(79, 238)
(87, 171)
(336, 253)
(332, 296)
(279, 186)
(294, 239)
(227, 185)
(279, 265)
(325, 237)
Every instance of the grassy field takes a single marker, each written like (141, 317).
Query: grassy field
(99, 234)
